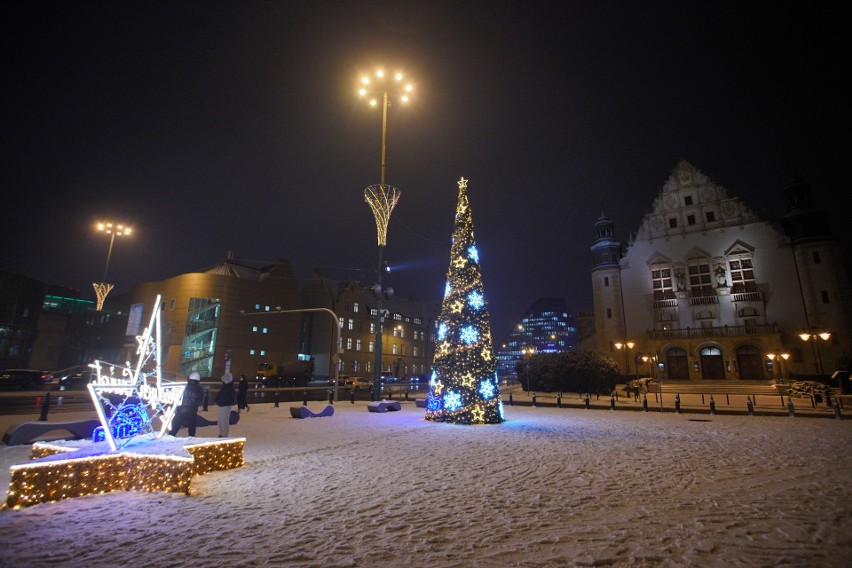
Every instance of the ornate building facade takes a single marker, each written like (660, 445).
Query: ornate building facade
(708, 291)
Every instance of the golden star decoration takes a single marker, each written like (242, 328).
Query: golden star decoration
(478, 415)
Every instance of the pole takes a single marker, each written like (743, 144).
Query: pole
(384, 132)
(109, 254)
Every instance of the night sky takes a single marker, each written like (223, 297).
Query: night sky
(235, 126)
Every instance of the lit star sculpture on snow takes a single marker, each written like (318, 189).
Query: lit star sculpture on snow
(463, 386)
(126, 399)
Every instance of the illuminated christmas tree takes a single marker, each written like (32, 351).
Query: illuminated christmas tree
(463, 386)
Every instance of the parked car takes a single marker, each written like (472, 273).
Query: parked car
(26, 379)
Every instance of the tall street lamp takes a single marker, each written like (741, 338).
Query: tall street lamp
(528, 354)
(626, 345)
(812, 335)
(651, 359)
(382, 198)
(777, 357)
(103, 288)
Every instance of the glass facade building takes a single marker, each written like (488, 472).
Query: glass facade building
(547, 326)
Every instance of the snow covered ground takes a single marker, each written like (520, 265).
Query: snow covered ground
(550, 487)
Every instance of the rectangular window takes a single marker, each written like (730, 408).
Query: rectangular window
(172, 304)
(351, 324)
(168, 327)
(824, 294)
(672, 223)
(394, 348)
(262, 352)
(690, 219)
(251, 351)
(265, 330)
(606, 281)
(134, 319)
(349, 343)
(687, 200)
(700, 284)
(415, 351)
(355, 307)
(742, 276)
(711, 217)
(341, 322)
(254, 328)
(372, 327)
(661, 282)
(372, 346)
(357, 345)
(609, 313)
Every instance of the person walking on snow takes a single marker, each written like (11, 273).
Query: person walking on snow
(242, 394)
(187, 413)
(225, 399)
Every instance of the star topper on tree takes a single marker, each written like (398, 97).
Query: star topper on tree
(463, 387)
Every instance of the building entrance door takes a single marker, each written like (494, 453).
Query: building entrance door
(712, 366)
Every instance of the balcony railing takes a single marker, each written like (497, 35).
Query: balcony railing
(746, 297)
(709, 332)
(702, 300)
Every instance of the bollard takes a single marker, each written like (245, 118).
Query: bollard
(702, 398)
(712, 405)
(612, 402)
(790, 409)
(728, 399)
(44, 408)
(276, 399)
(206, 399)
(406, 396)
(782, 400)
(587, 401)
(677, 403)
(352, 396)
(750, 405)
(304, 398)
(533, 399)
(558, 401)
(837, 409)
(330, 396)
(510, 398)
(644, 404)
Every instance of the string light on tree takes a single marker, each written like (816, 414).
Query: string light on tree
(463, 386)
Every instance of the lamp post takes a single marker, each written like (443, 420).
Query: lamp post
(103, 288)
(651, 359)
(626, 345)
(382, 198)
(777, 356)
(528, 352)
(812, 335)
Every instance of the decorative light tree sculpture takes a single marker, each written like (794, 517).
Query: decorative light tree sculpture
(463, 387)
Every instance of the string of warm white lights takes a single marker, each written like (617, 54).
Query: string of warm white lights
(47, 478)
(463, 387)
(382, 199)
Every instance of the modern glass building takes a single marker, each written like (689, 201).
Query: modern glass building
(547, 326)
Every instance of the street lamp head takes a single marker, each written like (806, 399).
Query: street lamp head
(824, 335)
(113, 228)
(805, 336)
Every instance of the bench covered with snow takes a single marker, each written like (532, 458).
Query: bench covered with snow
(420, 402)
(29, 431)
(305, 412)
(383, 406)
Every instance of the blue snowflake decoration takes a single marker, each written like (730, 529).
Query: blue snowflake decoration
(442, 331)
(473, 254)
(469, 335)
(476, 300)
(452, 401)
(487, 389)
(447, 290)
(127, 421)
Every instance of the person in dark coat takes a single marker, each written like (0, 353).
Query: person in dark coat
(225, 399)
(187, 413)
(242, 394)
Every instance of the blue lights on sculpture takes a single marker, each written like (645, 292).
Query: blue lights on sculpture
(130, 419)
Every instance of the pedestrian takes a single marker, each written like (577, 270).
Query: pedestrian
(225, 399)
(187, 413)
(242, 393)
